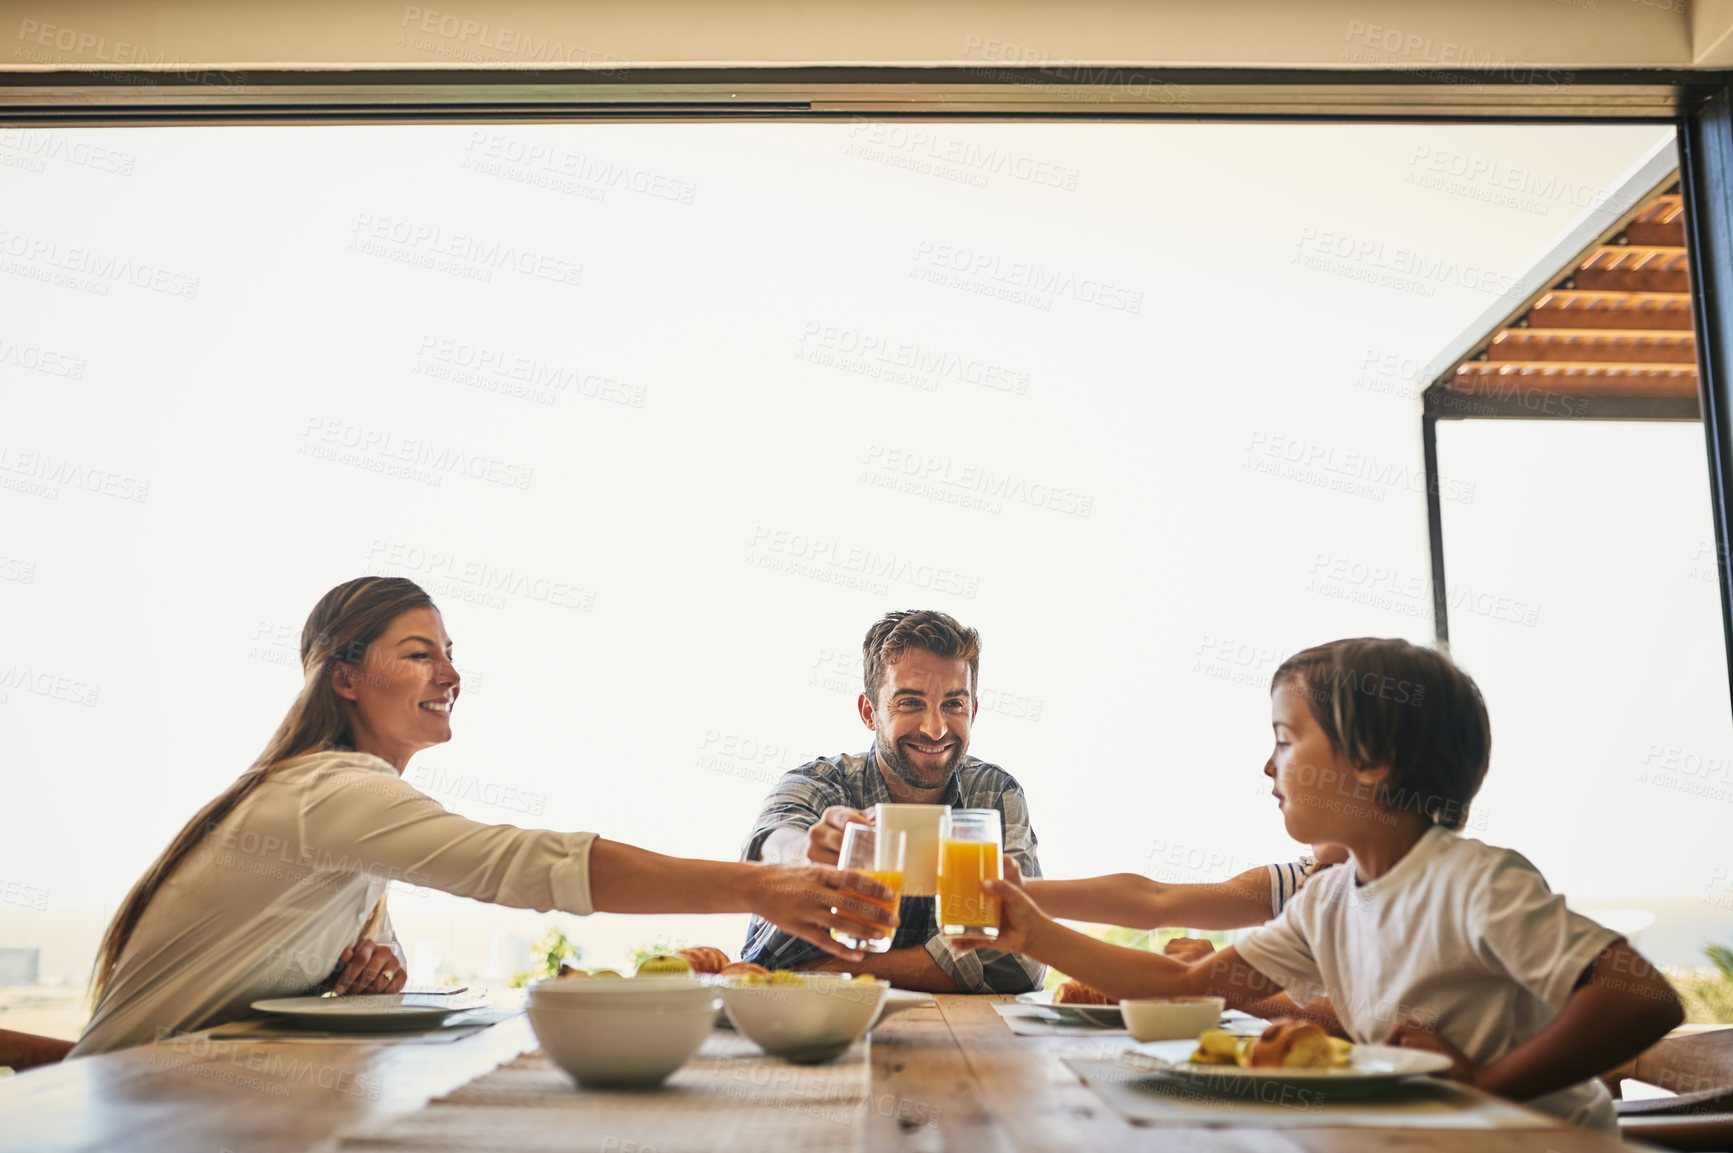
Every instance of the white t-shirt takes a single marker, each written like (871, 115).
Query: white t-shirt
(264, 905)
(1462, 937)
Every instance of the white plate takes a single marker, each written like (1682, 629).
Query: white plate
(1101, 1016)
(374, 1011)
(1369, 1068)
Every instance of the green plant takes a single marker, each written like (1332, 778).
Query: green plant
(1708, 996)
(547, 955)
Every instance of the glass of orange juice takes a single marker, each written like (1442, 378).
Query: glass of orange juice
(880, 854)
(970, 841)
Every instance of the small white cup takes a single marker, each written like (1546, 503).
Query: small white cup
(1171, 1018)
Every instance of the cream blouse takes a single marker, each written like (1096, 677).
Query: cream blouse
(278, 889)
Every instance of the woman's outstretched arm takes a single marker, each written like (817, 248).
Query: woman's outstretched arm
(807, 901)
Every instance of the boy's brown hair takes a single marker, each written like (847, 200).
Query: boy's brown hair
(1389, 702)
(938, 633)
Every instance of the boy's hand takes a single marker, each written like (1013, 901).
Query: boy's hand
(1188, 949)
(1412, 1035)
(1013, 874)
(1019, 919)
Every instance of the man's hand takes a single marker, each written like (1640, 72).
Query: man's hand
(809, 901)
(1019, 918)
(824, 840)
(1188, 949)
(1413, 1035)
(369, 967)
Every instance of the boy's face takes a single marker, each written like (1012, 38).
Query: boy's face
(1316, 787)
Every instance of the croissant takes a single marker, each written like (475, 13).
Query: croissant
(744, 968)
(1292, 1044)
(704, 958)
(1077, 993)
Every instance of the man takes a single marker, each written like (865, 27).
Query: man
(922, 671)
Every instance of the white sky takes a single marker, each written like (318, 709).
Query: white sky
(1206, 300)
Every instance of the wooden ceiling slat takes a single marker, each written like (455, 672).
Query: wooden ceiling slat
(1567, 367)
(1663, 208)
(1654, 232)
(1553, 334)
(1528, 345)
(1621, 254)
(1633, 280)
(1563, 315)
(1599, 384)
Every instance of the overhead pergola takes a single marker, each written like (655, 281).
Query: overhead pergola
(1604, 331)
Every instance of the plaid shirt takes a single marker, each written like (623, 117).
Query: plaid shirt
(801, 797)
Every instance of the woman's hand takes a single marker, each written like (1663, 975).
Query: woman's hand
(809, 901)
(1019, 919)
(1412, 1035)
(368, 967)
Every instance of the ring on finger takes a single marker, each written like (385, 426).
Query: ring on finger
(388, 976)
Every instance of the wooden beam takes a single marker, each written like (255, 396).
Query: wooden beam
(1545, 404)
(1592, 380)
(1633, 251)
(1632, 280)
(1564, 345)
(1656, 232)
(1602, 310)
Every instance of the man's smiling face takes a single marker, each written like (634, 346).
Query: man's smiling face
(922, 717)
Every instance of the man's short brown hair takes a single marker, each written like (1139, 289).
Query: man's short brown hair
(1389, 702)
(938, 633)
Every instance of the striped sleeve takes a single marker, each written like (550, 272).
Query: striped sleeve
(1285, 881)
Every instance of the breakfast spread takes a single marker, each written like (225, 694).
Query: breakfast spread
(1077, 993)
(743, 969)
(1288, 1043)
(664, 965)
(704, 958)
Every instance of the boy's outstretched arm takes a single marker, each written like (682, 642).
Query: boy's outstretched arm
(1621, 1006)
(1138, 902)
(1119, 972)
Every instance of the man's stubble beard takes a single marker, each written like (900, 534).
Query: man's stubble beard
(892, 757)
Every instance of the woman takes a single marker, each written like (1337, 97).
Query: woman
(281, 879)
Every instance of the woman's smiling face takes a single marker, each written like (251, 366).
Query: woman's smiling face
(399, 698)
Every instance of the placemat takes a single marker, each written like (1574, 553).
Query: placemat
(1421, 1103)
(730, 1096)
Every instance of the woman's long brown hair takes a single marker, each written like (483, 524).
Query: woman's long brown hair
(341, 626)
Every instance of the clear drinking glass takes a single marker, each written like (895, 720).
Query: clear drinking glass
(880, 854)
(970, 844)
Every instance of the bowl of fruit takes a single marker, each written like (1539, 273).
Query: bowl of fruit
(606, 1030)
(802, 1017)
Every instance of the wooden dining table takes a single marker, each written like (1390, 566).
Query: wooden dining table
(957, 1075)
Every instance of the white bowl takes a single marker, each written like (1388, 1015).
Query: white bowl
(626, 993)
(815, 1020)
(625, 1038)
(1171, 1018)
